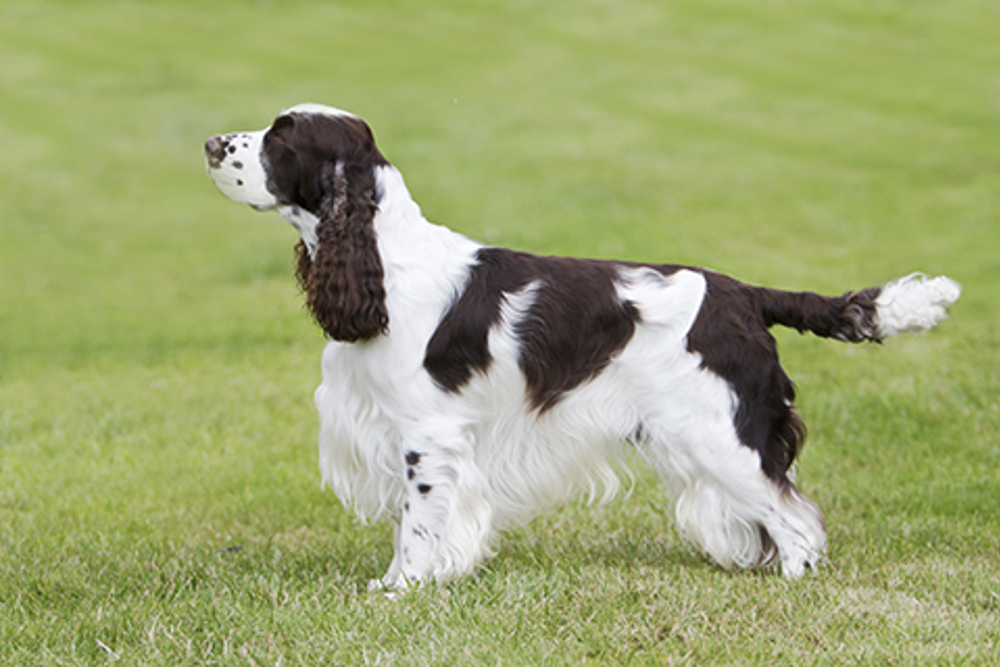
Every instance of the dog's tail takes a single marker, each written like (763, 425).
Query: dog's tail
(911, 304)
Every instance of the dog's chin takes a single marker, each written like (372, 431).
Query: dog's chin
(242, 188)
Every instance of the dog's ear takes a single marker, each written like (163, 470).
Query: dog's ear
(343, 279)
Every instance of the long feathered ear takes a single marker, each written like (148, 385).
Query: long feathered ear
(343, 280)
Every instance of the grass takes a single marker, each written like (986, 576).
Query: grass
(159, 498)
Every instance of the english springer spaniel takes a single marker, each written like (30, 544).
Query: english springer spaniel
(468, 388)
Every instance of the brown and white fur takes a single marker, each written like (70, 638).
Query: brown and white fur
(467, 388)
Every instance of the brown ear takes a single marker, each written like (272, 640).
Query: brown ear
(343, 279)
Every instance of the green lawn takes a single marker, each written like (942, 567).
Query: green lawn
(159, 494)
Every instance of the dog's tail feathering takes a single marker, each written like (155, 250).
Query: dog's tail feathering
(908, 305)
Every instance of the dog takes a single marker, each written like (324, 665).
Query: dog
(468, 388)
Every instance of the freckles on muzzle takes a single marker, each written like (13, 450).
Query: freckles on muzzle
(219, 147)
(234, 165)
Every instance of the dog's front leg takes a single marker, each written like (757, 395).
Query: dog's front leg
(393, 577)
(446, 516)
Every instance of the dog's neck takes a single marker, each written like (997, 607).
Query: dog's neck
(418, 256)
(304, 223)
(397, 210)
(408, 243)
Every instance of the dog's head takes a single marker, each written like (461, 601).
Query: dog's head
(283, 164)
(316, 164)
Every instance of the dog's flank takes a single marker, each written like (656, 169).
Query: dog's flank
(468, 388)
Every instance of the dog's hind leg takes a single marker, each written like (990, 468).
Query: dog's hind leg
(796, 527)
(724, 502)
(727, 507)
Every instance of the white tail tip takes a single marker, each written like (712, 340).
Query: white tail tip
(914, 303)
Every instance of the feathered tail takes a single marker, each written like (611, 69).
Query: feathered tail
(908, 305)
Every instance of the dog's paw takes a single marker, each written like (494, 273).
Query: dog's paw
(803, 561)
(377, 586)
(392, 587)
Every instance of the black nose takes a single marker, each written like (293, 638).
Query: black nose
(215, 150)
